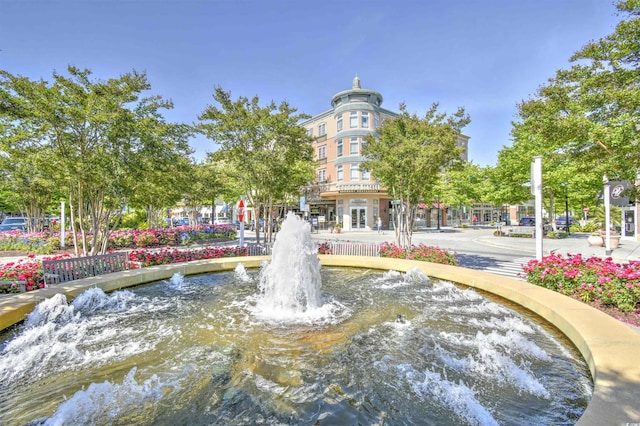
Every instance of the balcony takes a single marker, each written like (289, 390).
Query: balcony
(358, 187)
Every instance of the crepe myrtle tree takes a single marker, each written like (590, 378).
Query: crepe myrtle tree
(102, 136)
(270, 152)
(407, 154)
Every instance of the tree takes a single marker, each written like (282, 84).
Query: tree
(585, 121)
(408, 153)
(462, 186)
(101, 137)
(270, 152)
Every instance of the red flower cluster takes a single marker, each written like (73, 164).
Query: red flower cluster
(28, 271)
(173, 255)
(590, 279)
(420, 252)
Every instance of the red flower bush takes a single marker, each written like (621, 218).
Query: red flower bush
(589, 279)
(172, 255)
(420, 252)
(28, 271)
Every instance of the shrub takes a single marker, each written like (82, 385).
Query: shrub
(589, 279)
(420, 252)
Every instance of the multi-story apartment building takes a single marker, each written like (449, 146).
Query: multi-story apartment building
(343, 192)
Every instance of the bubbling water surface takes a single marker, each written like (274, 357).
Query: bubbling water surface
(388, 347)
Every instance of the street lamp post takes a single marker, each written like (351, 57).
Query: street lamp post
(566, 206)
(438, 227)
(607, 215)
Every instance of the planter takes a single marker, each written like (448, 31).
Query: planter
(614, 241)
(337, 229)
(595, 240)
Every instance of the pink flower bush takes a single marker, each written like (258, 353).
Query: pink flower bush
(420, 252)
(27, 270)
(590, 279)
(172, 255)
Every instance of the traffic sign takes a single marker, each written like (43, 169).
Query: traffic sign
(395, 202)
(585, 209)
(241, 211)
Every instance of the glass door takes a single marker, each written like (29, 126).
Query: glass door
(358, 218)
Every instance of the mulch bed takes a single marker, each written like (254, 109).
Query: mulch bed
(631, 317)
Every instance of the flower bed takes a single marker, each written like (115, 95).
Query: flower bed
(28, 270)
(591, 280)
(47, 242)
(420, 252)
(172, 255)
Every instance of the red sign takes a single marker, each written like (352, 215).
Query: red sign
(585, 209)
(241, 211)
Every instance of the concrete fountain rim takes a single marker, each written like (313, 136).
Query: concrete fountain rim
(609, 347)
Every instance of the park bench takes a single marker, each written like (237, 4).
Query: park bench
(75, 268)
(522, 230)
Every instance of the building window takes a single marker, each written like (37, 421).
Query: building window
(353, 146)
(310, 131)
(366, 175)
(376, 120)
(353, 120)
(339, 123)
(322, 129)
(322, 152)
(339, 173)
(355, 171)
(364, 119)
(339, 147)
(322, 175)
(363, 142)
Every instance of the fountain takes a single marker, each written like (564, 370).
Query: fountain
(342, 346)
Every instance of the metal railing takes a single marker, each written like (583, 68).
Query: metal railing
(327, 247)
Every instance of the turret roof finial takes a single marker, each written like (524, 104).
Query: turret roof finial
(356, 83)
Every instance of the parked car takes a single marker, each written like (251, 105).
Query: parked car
(13, 223)
(527, 221)
(531, 221)
(561, 222)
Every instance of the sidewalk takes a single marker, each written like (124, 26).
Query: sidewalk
(576, 243)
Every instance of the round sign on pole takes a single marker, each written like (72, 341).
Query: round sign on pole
(585, 209)
(241, 211)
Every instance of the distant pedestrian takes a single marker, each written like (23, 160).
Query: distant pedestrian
(475, 220)
(379, 225)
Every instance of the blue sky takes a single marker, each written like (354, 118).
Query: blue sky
(483, 55)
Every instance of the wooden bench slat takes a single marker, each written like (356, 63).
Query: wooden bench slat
(65, 270)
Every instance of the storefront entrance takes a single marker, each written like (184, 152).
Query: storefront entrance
(358, 218)
(629, 226)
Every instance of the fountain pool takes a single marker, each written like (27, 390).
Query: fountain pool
(194, 350)
(376, 348)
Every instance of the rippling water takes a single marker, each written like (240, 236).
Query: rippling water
(382, 348)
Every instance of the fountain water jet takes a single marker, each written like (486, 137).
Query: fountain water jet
(290, 284)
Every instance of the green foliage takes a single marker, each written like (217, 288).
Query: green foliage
(615, 216)
(269, 152)
(584, 121)
(101, 141)
(408, 153)
(134, 220)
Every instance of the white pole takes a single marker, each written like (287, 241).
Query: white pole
(62, 225)
(242, 225)
(607, 215)
(536, 183)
